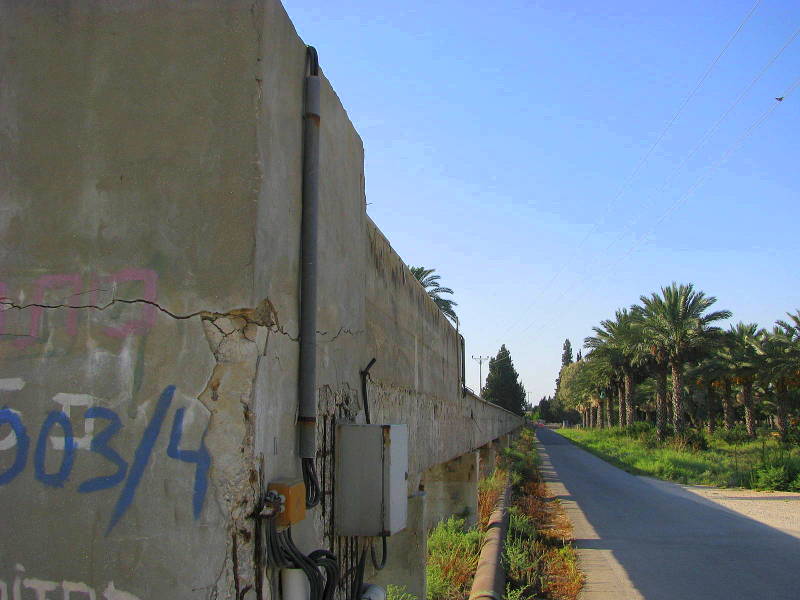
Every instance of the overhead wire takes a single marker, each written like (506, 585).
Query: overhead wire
(701, 142)
(680, 200)
(711, 131)
(632, 175)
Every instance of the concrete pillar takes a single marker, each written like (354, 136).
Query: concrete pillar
(486, 459)
(451, 488)
(408, 552)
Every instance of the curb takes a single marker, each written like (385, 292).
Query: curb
(490, 577)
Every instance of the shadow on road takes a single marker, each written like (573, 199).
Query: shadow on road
(669, 545)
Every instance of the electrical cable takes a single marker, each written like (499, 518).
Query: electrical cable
(303, 562)
(358, 579)
(704, 138)
(364, 376)
(311, 481)
(282, 553)
(327, 560)
(681, 199)
(373, 555)
(701, 179)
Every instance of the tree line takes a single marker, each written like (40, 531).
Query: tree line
(665, 360)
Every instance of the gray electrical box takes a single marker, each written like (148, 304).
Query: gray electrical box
(371, 479)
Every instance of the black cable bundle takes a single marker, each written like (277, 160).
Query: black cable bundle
(311, 482)
(358, 580)
(283, 554)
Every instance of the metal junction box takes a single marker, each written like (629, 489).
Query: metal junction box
(371, 473)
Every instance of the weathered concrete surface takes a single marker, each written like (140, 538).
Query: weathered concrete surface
(150, 176)
(639, 540)
(451, 488)
(408, 552)
(487, 457)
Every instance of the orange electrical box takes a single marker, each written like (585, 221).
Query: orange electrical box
(294, 508)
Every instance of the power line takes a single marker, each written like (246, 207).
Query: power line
(632, 175)
(702, 141)
(712, 130)
(680, 200)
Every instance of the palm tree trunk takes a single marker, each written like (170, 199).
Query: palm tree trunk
(621, 395)
(747, 400)
(612, 418)
(780, 409)
(677, 397)
(592, 417)
(661, 403)
(711, 407)
(601, 417)
(727, 405)
(607, 409)
(629, 417)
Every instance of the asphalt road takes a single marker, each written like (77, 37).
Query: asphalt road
(641, 540)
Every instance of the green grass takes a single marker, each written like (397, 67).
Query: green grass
(723, 460)
(452, 559)
(538, 564)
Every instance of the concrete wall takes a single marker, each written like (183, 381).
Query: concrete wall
(150, 176)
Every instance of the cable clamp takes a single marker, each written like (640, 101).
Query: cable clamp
(272, 504)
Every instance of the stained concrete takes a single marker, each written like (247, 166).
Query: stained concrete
(150, 175)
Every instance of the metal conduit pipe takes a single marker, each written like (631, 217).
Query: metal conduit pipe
(307, 413)
(490, 578)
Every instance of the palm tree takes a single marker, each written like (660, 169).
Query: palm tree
(431, 284)
(780, 350)
(744, 363)
(659, 365)
(676, 324)
(617, 342)
(711, 374)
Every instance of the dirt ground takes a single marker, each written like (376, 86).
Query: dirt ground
(780, 510)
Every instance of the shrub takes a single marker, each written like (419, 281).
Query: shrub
(691, 439)
(639, 428)
(773, 477)
(452, 559)
(737, 435)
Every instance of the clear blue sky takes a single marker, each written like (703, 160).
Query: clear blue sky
(498, 136)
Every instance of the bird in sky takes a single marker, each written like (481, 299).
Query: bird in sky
(780, 99)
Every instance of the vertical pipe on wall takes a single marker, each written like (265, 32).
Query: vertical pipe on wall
(307, 413)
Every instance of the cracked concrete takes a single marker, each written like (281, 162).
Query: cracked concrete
(236, 341)
(158, 189)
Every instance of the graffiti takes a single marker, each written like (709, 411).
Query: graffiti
(70, 287)
(70, 590)
(129, 475)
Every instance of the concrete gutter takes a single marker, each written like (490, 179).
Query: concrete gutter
(490, 577)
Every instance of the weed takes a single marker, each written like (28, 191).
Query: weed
(537, 555)
(452, 559)
(398, 592)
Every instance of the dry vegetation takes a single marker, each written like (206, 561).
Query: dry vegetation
(540, 561)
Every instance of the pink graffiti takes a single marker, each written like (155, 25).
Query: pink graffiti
(148, 315)
(44, 283)
(147, 312)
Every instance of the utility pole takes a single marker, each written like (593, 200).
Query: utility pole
(480, 360)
